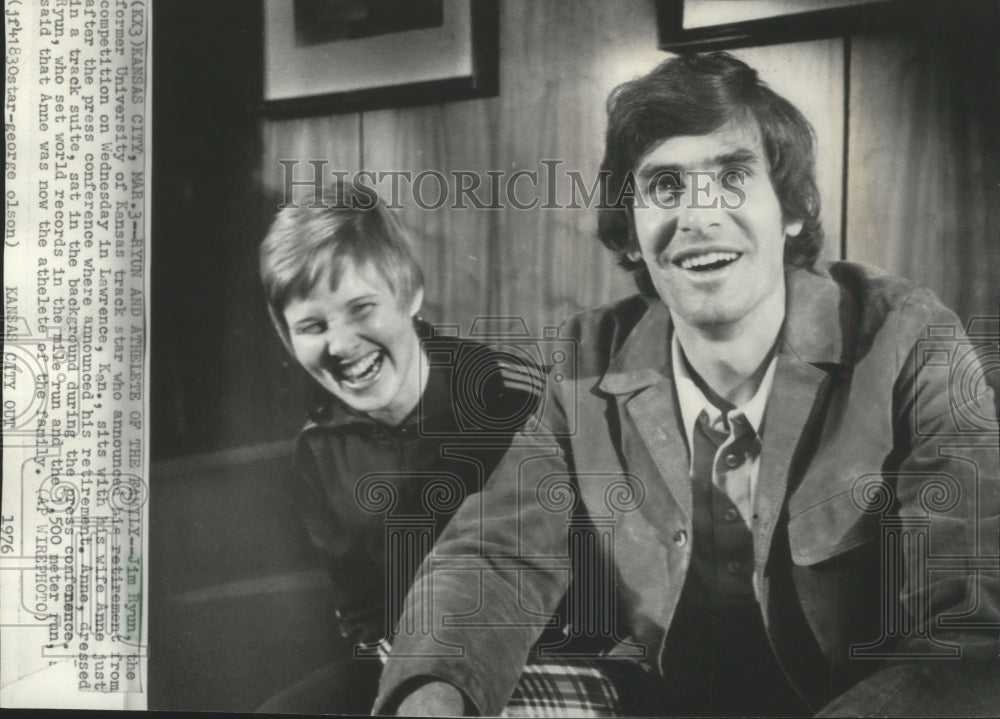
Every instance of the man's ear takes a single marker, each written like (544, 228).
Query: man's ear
(793, 228)
(635, 254)
(416, 302)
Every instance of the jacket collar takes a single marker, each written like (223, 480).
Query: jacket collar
(644, 357)
(811, 333)
(813, 329)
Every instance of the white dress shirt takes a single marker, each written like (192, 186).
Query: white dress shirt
(738, 458)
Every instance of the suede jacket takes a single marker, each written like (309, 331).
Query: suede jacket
(875, 523)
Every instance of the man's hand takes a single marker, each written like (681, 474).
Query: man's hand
(436, 698)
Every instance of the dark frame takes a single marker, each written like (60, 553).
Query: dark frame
(814, 25)
(483, 82)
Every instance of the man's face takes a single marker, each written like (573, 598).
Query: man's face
(710, 226)
(359, 343)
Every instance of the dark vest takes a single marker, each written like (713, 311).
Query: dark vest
(717, 658)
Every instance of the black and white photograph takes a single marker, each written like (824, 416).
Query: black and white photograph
(504, 358)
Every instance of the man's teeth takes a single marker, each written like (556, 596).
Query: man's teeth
(709, 258)
(361, 368)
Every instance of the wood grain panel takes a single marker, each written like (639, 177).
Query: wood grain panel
(558, 63)
(433, 145)
(281, 400)
(924, 162)
(811, 76)
(334, 138)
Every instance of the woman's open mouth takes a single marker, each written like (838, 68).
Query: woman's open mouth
(359, 373)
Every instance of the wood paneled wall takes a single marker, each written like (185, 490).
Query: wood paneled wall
(810, 75)
(924, 158)
(558, 62)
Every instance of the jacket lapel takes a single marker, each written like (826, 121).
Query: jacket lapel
(657, 420)
(639, 374)
(789, 405)
(811, 338)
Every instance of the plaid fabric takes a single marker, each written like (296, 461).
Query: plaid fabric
(553, 688)
(563, 688)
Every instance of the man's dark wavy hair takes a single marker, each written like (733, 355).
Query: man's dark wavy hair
(696, 95)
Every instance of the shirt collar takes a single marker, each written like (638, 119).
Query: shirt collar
(693, 402)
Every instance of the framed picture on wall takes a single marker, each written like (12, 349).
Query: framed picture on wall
(703, 25)
(329, 56)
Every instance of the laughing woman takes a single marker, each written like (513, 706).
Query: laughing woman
(344, 291)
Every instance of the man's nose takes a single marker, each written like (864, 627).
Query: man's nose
(700, 216)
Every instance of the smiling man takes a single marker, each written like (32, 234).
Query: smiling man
(803, 505)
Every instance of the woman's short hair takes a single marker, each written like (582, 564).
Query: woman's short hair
(696, 95)
(311, 243)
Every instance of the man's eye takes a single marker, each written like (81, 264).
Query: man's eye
(735, 176)
(667, 183)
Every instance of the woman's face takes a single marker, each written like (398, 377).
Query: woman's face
(359, 343)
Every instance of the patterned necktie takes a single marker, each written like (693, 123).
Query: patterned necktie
(732, 470)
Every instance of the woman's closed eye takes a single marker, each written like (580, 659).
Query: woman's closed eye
(362, 309)
(310, 328)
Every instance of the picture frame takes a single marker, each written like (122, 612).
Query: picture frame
(457, 59)
(706, 25)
